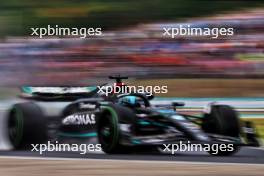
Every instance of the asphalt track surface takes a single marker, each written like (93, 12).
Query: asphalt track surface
(247, 155)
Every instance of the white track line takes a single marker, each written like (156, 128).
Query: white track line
(133, 161)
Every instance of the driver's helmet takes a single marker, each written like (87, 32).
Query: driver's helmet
(129, 100)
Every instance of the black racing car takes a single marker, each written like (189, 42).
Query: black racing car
(121, 122)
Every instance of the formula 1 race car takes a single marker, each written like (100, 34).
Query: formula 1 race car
(121, 122)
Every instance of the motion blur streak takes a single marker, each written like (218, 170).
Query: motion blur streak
(119, 167)
(139, 50)
(196, 70)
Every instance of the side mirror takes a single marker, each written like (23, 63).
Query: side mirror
(175, 104)
(178, 104)
(150, 97)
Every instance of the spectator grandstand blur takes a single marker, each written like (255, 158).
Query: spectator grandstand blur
(139, 51)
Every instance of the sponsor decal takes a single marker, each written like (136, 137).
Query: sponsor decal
(79, 119)
(87, 106)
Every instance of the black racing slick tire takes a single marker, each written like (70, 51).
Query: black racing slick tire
(26, 125)
(222, 120)
(108, 129)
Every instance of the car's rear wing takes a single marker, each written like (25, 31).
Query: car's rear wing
(56, 90)
(54, 93)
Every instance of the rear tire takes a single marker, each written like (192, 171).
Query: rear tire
(26, 125)
(222, 120)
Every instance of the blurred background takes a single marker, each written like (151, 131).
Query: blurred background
(132, 44)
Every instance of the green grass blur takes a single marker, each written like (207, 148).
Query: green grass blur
(17, 16)
(259, 124)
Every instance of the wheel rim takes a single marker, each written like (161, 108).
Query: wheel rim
(106, 130)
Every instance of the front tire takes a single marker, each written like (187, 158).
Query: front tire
(222, 120)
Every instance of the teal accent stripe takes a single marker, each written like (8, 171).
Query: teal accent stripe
(134, 141)
(91, 88)
(158, 124)
(26, 89)
(143, 123)
(92, 134)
